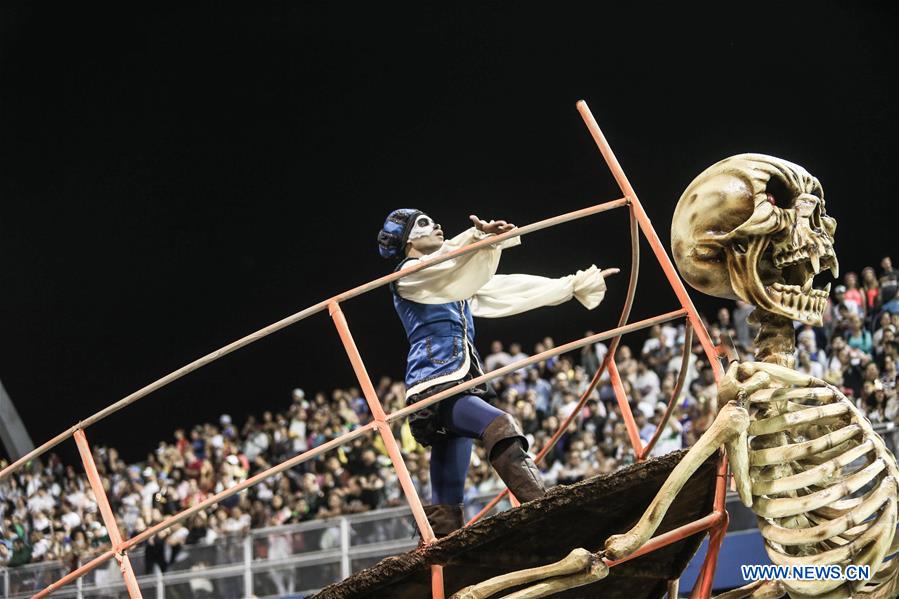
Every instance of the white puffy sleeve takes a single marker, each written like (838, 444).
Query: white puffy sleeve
(505, 295)
(457, 279)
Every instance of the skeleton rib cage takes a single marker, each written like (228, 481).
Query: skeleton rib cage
(823, 484)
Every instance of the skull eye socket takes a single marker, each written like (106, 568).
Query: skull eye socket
(779, 193)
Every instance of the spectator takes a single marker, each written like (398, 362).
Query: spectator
(853, 295)
(859, 338)
(871, 290)
(497, 357)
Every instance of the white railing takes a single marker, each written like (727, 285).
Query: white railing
(276, 562)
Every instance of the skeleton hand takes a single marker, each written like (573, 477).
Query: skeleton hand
(494, 226)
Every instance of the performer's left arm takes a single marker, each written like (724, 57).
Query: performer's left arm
(505, 295)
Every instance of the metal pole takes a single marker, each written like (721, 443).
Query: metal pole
(248, 566)
(672, 536)
(646, 226)
(112, 527)
(437, 581)
(344, 548)
(625, 407)
(377, 410)
(160, 585)
(702, 588)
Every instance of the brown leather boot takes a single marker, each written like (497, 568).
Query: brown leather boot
(445, 518)
(506, 448)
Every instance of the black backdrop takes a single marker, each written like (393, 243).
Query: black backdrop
(173, 179)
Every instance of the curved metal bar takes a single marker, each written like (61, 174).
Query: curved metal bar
(675, 395)
(285, 322)
(610, 355)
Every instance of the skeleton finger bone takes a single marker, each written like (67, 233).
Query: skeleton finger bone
(579, 561)
(738, 454)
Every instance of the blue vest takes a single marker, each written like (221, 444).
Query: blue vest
(441, 342)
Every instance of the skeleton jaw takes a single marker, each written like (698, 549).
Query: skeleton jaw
(787, 288)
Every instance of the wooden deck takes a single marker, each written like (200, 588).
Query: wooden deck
(545, 530)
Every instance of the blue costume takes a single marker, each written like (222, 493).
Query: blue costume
(442, 353)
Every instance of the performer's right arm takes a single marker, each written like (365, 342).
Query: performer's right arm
(506, 295)
(457, 279)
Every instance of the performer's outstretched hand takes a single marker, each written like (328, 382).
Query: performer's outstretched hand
(609, 272)
(494, 226)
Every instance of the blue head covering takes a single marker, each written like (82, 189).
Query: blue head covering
(393, 235)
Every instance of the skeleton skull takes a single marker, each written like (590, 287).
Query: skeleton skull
(754, 227)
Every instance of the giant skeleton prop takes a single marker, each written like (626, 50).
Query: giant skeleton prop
(803, 457)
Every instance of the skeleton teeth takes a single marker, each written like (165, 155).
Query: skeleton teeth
(808, 286)
(827, 290)
(816, 262)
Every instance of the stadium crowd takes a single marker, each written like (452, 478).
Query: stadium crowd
(48, 511)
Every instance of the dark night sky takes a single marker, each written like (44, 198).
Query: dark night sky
(173, 179)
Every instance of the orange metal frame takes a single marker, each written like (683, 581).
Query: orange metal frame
(716, 522)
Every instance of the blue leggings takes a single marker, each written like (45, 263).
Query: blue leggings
(465, 417)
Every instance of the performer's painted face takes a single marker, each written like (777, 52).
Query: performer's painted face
(426, 236)
(424, 226)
